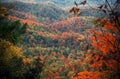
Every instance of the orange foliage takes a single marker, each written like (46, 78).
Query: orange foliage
(104, 41)
(108, 44)
(25, 15)
(66, 35)
(98, 65)
(44, 34)
(29, 22)
(89, 75)
(109, 26)
(55, 37)
(68, 23)
(26, 60)
(112, 64)
(57, 77)
(103, 64)
(96, 75)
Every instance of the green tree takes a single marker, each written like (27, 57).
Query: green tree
(12, 63)
(11, 31)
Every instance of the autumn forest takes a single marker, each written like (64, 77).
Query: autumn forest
(59, 39)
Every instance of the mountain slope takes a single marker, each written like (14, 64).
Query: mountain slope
(57, 2)
(43, 11)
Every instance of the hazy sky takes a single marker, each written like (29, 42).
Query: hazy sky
(67, 2)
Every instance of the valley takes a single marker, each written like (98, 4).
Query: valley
(53, 34)
(60, 40)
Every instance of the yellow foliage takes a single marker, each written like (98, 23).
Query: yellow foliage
(8, 51)
(26, 61)
(8, 47)
(3, 12)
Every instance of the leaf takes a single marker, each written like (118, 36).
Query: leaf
(76, 11)
(83, 3)
(102, 6)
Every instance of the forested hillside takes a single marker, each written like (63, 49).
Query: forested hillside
(41, 40)
(43, 12)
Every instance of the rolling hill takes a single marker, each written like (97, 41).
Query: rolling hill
(43, 12)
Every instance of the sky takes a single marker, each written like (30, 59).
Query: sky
(67, 2)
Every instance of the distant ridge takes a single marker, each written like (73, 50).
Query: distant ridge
(61, 2)
(43, 12)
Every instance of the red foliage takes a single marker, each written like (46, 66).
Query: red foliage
(29, 22)
(69, 24)
(89, 75)
(104, 41)
(25, 15)
(66, 35)
(105, 63)
(55, 37)
(110, 26)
